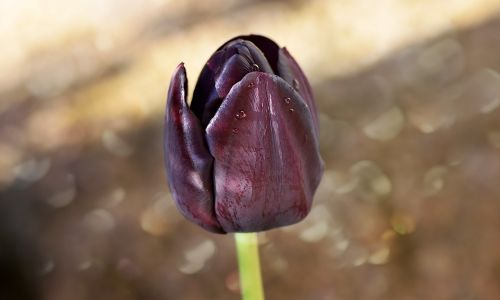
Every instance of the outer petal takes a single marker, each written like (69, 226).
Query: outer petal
(267, 163)
(289, 70)
(188, 162)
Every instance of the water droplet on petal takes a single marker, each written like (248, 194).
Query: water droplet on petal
(235, 130)
(287, 100)
(240, 115)
(291, 110)
(255, 67)
(295, 83)
(251, 85)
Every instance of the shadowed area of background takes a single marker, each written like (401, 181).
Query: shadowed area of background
(408, 94)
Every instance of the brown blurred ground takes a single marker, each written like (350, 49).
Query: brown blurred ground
(408, 93)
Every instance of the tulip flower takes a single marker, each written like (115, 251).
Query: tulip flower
(244, 156)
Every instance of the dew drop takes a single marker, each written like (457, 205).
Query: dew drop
(240, 115)
(251, 85)
(291, 110)
(255, 67)
(287, 100)
(235, 130)
(295, 84)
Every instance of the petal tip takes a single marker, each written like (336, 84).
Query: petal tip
(180, 69)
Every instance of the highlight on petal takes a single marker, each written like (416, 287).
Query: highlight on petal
(267, 163)
(188, 162)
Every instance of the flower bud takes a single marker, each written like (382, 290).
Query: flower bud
(244, 157)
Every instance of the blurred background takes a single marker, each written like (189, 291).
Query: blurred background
(408, 93)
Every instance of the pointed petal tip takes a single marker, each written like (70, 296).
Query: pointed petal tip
(180, 70)
(178, 83)
(177, 94)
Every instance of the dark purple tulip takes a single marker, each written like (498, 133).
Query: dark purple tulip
(244, 156)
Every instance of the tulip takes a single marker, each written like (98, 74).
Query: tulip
(244, 156)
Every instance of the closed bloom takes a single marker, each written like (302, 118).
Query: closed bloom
(244, 156)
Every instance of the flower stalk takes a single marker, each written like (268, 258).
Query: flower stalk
(247, 248)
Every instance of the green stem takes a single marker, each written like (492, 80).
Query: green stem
(248, 260)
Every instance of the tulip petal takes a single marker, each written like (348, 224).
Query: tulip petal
(188, 162)
(268, 47)
(232, 72)
(225, 68)
(267, 164)
(205, 93)
(290, 71)
(254, 55)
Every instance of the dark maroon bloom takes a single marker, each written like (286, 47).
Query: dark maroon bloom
(244, 156)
